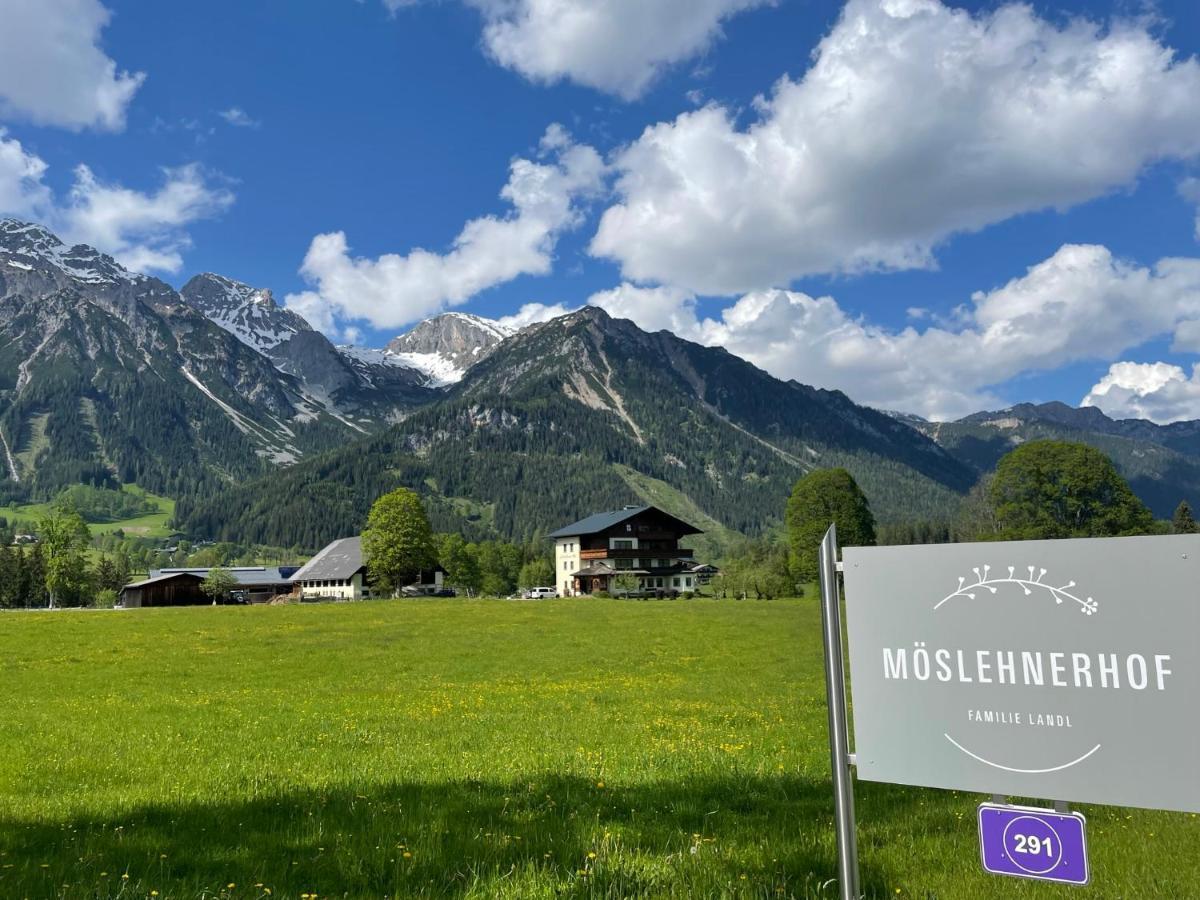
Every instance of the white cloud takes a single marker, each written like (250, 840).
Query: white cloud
(238, 117)
(145, 231)
(616, 46)
(52, 69)
(1189, 189)
(393, 290)
(914, 122)
(1080, 304)
(653, 308)
(1157, 391)
(531, 314)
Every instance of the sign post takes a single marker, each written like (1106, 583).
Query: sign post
(839, 738)
(1020, 668)
(1063, 669)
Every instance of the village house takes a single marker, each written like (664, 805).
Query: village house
(642, 541)
(339, 572)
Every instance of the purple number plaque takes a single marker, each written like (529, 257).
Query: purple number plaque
(1033, 843)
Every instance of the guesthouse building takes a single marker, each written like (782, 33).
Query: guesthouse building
(642, 541)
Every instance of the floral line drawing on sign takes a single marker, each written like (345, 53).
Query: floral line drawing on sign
(1088, 606)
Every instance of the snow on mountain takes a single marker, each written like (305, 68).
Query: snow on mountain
(27, 247)
(446, 346)
(250, 314)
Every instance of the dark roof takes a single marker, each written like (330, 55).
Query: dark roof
(598, 522)
(341, 559)
(158, 579)
(243, 575)
(602, 569)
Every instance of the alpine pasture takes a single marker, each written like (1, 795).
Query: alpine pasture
(567, 748)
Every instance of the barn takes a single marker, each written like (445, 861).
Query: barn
(173, 589)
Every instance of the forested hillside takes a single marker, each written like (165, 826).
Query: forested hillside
(549, 425)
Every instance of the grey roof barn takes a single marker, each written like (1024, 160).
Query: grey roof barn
(341, 560)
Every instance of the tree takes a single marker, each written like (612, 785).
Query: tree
(458, 559)
(108, 575)
(536, 573)
(1058, 489)
(398, 542)
(976, 516)
(218, 584)
(818, 499)
(625, 583)
(64, 537)
(1183, 522)
(33, 578)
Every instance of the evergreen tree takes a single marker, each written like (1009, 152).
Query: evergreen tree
(1058, 489)
(10, 582)
(818, 499)
(398, 542)
(1183, 522)
(34, 580)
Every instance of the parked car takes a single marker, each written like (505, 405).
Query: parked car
(540, 593)
(445, 592)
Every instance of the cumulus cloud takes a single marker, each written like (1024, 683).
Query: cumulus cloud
(914, 122)
(1080, 304)
(546, 196)
(1157, 391)
(618, 46)
(145, 231)
(653, 308)
(531, 314)
(52, 69)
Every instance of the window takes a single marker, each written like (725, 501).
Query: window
(622, 545)
(676, 583)
(624, 563)
(687, 582)
(566, 565)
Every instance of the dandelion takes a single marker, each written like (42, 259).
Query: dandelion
(407, 855)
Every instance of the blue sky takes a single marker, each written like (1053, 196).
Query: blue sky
(397, 127)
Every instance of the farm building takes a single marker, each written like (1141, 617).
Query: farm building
(642, 541)
(174, 589)
(255, 584)
(339, 572)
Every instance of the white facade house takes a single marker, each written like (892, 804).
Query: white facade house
(339, 572)
(336, 573)
(641, 541)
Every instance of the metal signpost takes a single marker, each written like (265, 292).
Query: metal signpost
(1058, 669)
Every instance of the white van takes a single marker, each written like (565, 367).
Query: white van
(540, 593)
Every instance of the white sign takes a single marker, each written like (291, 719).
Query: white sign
(1065, 670)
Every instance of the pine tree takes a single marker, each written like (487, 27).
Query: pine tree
(1183, 522)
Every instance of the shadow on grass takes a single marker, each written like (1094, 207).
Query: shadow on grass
(545, 836)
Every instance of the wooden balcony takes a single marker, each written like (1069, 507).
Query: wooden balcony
(680, 553)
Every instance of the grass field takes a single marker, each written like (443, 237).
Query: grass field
(152, 525)
(469, 748)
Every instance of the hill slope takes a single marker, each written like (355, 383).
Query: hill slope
(542, 429)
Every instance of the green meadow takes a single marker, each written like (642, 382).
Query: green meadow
(568, 748)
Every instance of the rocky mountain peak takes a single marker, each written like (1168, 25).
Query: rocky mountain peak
(445, 346)
(249, 313)
(32, 248)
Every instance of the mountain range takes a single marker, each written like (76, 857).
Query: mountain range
(264, 431)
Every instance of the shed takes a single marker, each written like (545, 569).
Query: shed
(175, 589)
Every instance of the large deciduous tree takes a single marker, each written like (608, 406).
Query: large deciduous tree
(398, 542)
(818, 499)
(1058, 489)
(64, 536)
